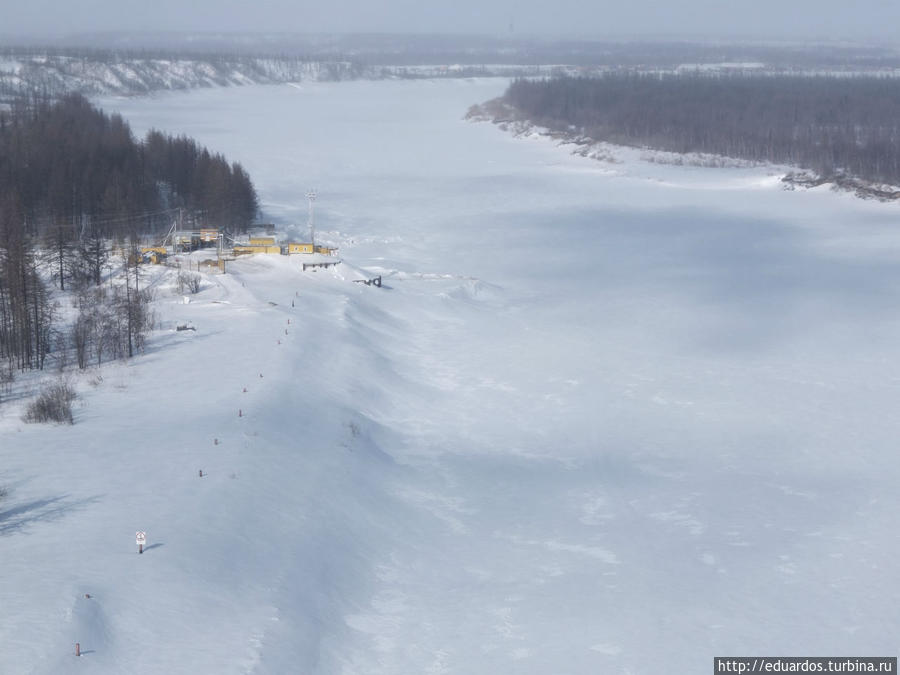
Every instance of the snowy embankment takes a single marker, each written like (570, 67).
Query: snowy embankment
(614, 418)
(129, 76)
(509, 119)
(275, 537)
(96, 76)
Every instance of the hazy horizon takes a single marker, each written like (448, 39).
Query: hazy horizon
(803, 20)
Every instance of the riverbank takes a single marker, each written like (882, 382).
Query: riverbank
(509, 119)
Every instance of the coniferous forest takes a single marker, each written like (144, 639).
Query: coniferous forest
(73, 181)
(835, 126)
(69, 163)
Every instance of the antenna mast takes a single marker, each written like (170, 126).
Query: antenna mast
(311, 196)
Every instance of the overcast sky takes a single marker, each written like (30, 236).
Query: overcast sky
(856, 20)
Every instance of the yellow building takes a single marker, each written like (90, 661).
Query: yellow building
(244, 249)
(295, 247)
(299, 248)
(262, 241)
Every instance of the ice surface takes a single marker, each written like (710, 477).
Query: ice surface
(601, 418)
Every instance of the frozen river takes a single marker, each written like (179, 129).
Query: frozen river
(637, 415)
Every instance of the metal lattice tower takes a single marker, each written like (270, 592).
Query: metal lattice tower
(311, 196)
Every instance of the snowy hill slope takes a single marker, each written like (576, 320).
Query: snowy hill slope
(276, 469)
(98, 75)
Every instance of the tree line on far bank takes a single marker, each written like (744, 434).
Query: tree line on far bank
(73, 181)
(835, 126)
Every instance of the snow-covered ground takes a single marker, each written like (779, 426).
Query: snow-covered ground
(602, 418)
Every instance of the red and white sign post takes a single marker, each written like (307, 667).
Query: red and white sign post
(140, 538)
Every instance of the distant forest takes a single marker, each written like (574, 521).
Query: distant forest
(834, 126)
(73, 180)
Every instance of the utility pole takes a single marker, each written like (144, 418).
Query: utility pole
(178, 226)
(128, 309)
